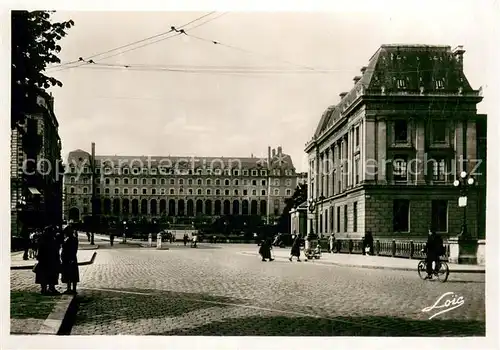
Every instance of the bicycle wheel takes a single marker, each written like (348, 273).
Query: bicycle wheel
(421, 268)
(443, 272)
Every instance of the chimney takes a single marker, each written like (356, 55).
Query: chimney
(458, 52)
(356, 79)
(279, 150)
(342, 94)
(363, 69)
(274, 153)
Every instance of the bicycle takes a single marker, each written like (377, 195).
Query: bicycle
(441, 271)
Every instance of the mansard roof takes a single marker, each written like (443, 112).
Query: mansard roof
(279, 161)
(415, 69)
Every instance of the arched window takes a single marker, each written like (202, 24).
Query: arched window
(244, 207)
(181, 181)
(209, 182)
(199, 182)
(198, 191)
(136, 191)
(144, 181)
(217, 182)
(226, 182)
(227, 207)
(72, 180)
(125, 181)
(217, 208)
(276, 192)
(208, 207)
(117, 181)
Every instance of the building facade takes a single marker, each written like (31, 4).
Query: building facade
(36, 170)
(385, 157)
(128, 187)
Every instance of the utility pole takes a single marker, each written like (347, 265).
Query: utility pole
(92, 200)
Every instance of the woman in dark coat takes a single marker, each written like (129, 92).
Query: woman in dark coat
(70, 272)
(295, 248)
(49, 264)
(265, 250)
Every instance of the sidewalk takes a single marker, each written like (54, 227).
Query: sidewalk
(369, 262)
(86, 255)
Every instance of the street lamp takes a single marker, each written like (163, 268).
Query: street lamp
(463, 183)
(312, 208)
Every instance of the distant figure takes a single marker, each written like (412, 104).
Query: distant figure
(111, 238)
(194, 241)
(185, 239)
(434, 249)
(295, 248)
(265, 250)
(368, 243)
(331, 243)
(70, 272)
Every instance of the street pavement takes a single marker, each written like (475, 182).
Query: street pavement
(217, 290)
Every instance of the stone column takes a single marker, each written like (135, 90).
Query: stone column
(419, 166)
(369, 158)
(331, 158)
(381, 151)
(471, 148)
(361, 151)
(459, 147)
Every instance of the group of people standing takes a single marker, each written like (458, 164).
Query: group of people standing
(57, 255)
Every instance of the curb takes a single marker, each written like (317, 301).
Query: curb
(89, 247)
(30, 267)
(54, 322)
(373, 267)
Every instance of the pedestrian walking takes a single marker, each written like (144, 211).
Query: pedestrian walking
(48, 267)
(331, 243)
(295, 248)
(185, 239)
(70, 272)
(265, 250)
(368, 243)
(111, 238)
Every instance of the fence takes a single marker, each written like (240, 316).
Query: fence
(385, 247)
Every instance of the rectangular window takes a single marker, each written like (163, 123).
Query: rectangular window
(401, 131)
(440, 215)
(355, 217)
(401, 215)
(345, 218)
(144, 191)
(439, 131)
(356, 136)
(356, 171)
(245, 192)
(338, 219)
(332, 222)
(400, 170)
(439, 170)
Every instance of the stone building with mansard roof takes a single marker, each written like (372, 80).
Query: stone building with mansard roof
(384, 158)
(133, 187)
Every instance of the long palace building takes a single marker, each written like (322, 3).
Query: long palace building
(385, 157)
(128, 187)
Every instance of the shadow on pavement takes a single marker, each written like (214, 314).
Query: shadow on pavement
(107, 306)
(339, 326)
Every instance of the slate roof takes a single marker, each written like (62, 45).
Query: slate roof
(282, 162)
(416, 65)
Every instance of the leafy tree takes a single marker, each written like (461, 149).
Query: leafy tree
(34, 46)
(298, 197)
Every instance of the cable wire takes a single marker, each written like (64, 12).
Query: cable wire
(135, 42)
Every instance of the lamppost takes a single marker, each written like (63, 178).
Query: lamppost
(21, 204)
(312, 208)
(463, 183)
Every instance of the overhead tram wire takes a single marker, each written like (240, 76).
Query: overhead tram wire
(215, 42)
(172, 29)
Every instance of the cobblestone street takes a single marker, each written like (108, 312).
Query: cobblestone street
(216, 290)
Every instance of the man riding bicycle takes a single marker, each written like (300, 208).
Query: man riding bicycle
(434, 249)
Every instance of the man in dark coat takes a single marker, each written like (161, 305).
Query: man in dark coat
(434, 249)
(48, 267)
(295, 248)
(111, 238)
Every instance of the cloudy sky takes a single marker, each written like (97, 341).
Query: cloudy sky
(148, 110)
